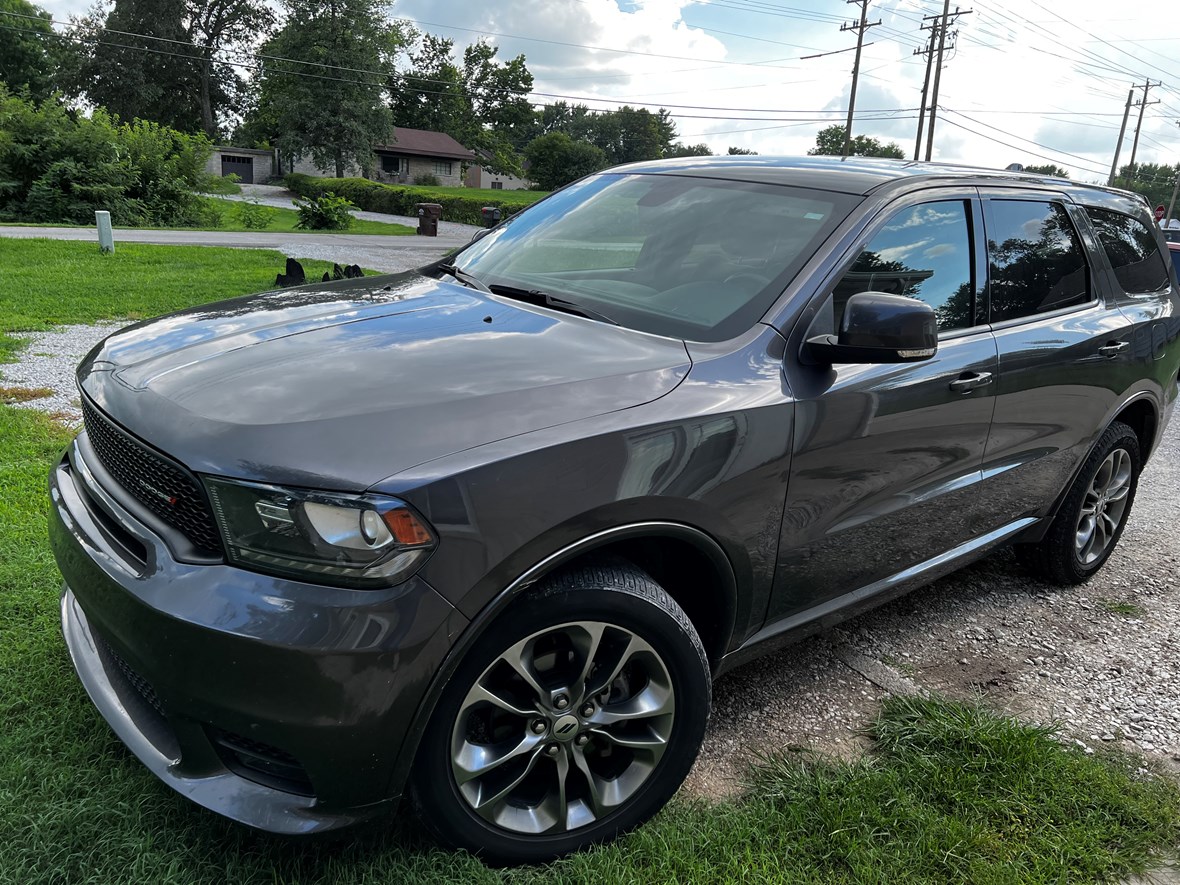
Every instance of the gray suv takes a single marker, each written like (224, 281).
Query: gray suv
(485, 533)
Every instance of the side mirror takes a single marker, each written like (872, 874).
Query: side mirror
(879, 328)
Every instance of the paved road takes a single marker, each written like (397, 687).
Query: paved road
(385, 253)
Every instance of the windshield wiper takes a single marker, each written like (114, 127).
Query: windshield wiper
(469, 280)
(536, 296)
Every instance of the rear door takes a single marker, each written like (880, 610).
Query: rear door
(887, 458)
(1064, 347)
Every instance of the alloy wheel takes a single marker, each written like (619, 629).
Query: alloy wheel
(562, 728)
(1103, 507)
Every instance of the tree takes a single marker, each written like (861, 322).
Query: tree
(483, 104)
(741, 152)
(1152, 180)
(175, 73)
(688, 150)
(216, 27)
(555, 160)
(27, 48)
(830, 142)
(1047, 169)
(149, 77)
(320, 103)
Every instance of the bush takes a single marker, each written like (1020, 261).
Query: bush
(255, 216)
(459, 204)
(555, 159)
(327, 212)
(427, 179)
(224, 184)
(59, 166)
(210, 215)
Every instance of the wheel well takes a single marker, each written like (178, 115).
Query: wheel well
(691, 577)
(1140, 417)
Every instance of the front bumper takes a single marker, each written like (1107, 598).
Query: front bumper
(279, 704)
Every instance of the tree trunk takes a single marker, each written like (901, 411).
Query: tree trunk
(208, 123)
(339, 164)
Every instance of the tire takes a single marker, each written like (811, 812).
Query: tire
(1078, 543)
(606, 636)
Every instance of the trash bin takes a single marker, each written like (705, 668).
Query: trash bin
(491, 216)
(428, 216)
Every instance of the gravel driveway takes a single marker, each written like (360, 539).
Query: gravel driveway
(1103, 659)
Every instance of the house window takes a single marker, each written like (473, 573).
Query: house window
(442, 167)
(497, 185)
(391, 165)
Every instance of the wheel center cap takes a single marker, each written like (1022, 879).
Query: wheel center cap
(566, 727)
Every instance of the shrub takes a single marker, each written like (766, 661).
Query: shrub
(209, 215)
(254, 216)
(326, 212)
(459, 204)
(59, 166)
(224, 184)
(427, 179)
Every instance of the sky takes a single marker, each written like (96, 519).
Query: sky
(1032, 82)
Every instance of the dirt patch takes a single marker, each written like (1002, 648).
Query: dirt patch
(11, 395)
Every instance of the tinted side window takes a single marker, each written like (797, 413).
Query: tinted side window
(1132, 250)
(1037, 262)
(924, 252)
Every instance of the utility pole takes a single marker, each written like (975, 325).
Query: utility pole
(1142, 107)
(860, 37)
(1114, 167)
(946, 17)
(929, 53)
(1175, 188)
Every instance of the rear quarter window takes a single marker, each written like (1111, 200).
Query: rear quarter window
(1132, 250)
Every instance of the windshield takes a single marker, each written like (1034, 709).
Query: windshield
(686, 257)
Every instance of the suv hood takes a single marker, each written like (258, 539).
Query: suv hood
(344, 384)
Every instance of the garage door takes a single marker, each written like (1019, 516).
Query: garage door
(243, 167)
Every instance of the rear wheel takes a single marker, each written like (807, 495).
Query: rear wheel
(1091, 520)
(573, 719)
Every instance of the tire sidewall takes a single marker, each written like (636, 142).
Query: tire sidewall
(667, 631)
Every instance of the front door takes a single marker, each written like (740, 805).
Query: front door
(887, 458)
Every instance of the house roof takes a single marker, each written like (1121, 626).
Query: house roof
(423, 143)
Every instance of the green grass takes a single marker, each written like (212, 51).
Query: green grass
(50, 281)
(949, 793)
(1117, 607)
(223, 184)
(282, 221)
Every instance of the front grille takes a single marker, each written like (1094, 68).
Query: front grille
(164, 488)
(261, 762)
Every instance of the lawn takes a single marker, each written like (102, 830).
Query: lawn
(43, 282)
(949, 792)
(284, 220)
(281, 221)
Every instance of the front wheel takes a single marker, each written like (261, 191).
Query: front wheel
(573, 719)
(1092, 517)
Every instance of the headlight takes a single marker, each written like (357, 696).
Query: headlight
(360, 540)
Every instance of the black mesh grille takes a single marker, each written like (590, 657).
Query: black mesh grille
(165, 489)
(262, 763)
(141, 685)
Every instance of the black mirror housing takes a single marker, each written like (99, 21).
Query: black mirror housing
(878, 327)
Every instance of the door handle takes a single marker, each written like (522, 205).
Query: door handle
(1113, 349)
(969, 381)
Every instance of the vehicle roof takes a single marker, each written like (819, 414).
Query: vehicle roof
(850, 175)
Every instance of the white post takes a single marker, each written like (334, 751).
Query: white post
(106, 237)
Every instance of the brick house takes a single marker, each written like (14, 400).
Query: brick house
(416, 152)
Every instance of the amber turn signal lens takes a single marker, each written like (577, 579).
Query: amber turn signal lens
(407, 529)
